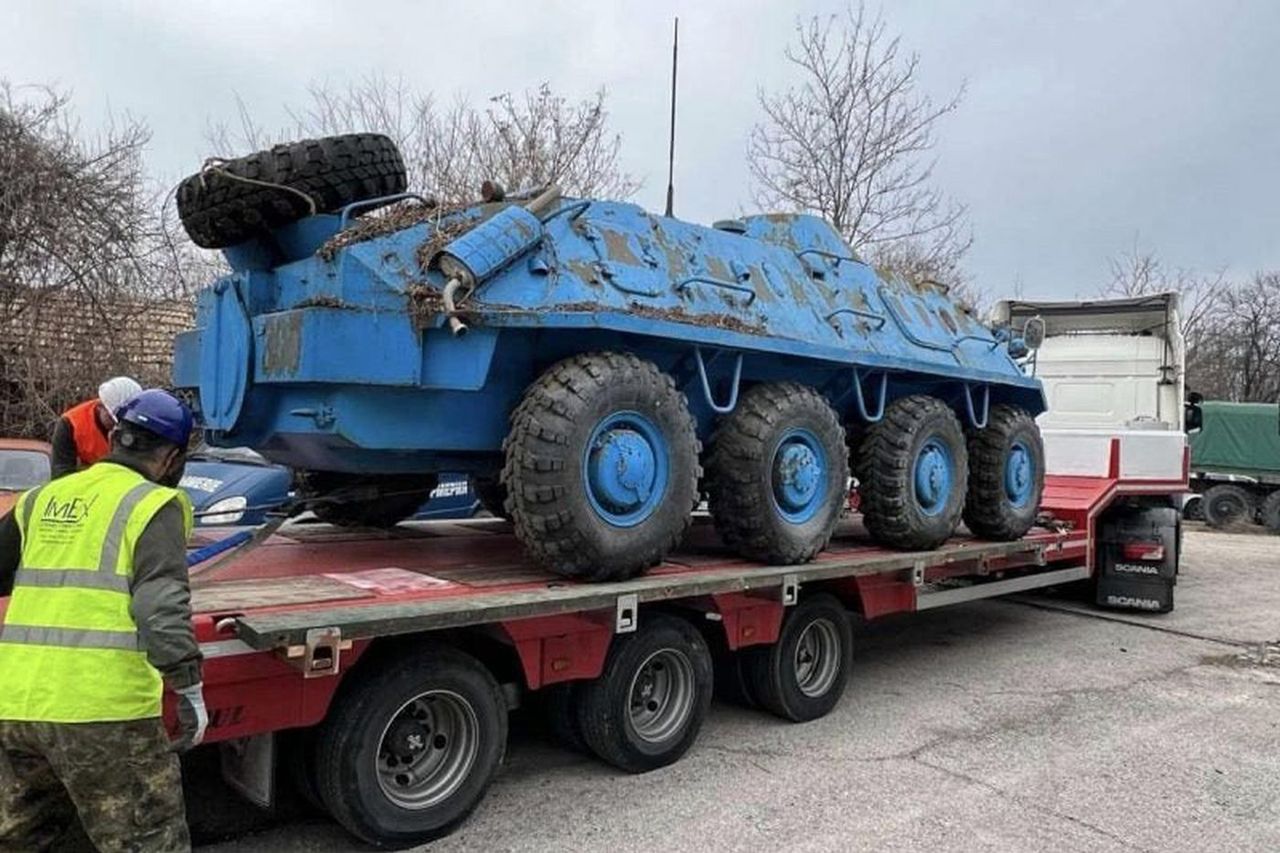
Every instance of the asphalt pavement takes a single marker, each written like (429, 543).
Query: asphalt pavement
(1011, 725)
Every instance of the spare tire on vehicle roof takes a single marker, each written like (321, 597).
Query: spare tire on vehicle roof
(233, 200)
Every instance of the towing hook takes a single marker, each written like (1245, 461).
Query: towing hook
(456, 326)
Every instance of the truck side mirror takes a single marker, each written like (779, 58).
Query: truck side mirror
(1193, 416)
(1033, 333)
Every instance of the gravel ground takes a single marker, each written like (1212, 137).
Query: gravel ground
(1001, 725)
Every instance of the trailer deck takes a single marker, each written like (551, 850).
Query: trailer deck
(429, 578)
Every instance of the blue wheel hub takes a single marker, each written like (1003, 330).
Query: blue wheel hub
(933, 476)
(1019, 474)
(626, 468)
(799, 476)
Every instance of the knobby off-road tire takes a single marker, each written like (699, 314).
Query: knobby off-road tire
(647, 707)
(1270, 512)
(1006, 475)
(917, 435)
(601, 467)
(380, 501)
(803, 675)
(777, 475)
(218, 211)
(406, 754)
(1225, 505)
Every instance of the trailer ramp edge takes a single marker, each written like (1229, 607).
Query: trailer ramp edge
(281, 629)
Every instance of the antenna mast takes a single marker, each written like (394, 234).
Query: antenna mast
(671, 151)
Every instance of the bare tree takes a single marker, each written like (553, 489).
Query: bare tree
(852, 142)
(1139, 272)
(1204, 312)
(80, 262)
(532, 139)
(1239, 357)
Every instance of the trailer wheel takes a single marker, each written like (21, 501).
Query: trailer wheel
(647, 707)
(1271, 511)
(1006, 475)
(602, 467)
(912, 468)
(778, 474)
(298, 755)
(802, 676)
(561, 709)
(731, 684)
(1226, 505)
(218, 209)
(406, 757)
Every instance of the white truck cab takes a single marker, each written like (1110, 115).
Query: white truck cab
(1111, 368)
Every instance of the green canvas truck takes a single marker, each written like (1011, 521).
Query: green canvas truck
(1235, 464)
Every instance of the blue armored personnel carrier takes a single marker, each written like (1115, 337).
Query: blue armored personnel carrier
(597, 369)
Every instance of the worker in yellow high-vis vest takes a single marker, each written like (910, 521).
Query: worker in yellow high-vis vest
(98, 621)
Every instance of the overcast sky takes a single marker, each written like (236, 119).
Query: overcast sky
(1086, 126)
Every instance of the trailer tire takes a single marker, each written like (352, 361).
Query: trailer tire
(435, 700)
(1226, 505)
(601, 467)
(1006, 475)
(803, 675)
(1271, 511)
(778, 473)
(298, 754)
(731, 684)
(912, 468)
(217, 210)
(561, 709)
(647, 707)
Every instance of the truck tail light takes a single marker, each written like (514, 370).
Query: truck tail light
(1152, 551)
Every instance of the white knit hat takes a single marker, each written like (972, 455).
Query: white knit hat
(117, 391)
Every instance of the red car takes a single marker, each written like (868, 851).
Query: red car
(24, 464)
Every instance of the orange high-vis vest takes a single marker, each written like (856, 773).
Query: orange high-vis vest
(91, 444)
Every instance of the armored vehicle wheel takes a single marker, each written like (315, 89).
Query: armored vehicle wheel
(229, 204)
(492, 494)
(647, 707)
(602, 467)
(802, 676)
(912, 468)
(1271, 512)
(351, 500)
(1225, 505)
(777, 475)
(1006, 475)
(406, 757)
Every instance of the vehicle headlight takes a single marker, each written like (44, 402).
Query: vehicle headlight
(225, 511)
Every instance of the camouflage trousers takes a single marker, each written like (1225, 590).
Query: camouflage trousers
(121, 779)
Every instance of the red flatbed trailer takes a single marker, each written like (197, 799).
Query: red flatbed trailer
(309, 632)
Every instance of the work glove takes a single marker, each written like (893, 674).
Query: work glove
(193, 717)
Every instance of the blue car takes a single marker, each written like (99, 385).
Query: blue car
(235, 486)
